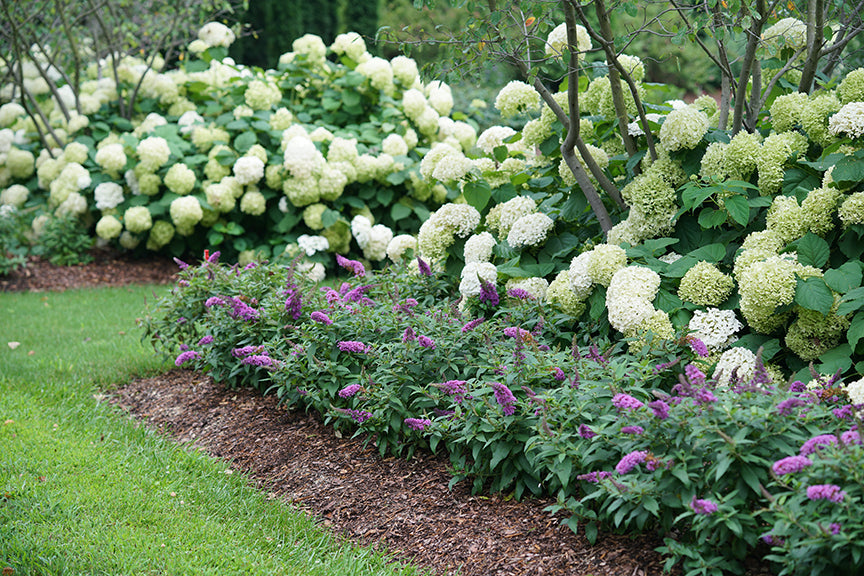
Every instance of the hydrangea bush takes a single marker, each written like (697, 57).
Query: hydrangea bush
(725, 467)
(227, 156)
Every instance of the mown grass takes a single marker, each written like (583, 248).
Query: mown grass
(85, 490)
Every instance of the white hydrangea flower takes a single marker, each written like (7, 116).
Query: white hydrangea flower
(535, 286)
(138, 219)
(302, 159)
(849, 120)
(10, 113)
(379, 239)
(580, 281)
(16, 195)
(361, 230)
(413, 103)
(530, 230)
(153, 153)
(556, 42)
(108, 195)
(216, 34)
(248, 170)
(516, 97)
(312, 46)
(74, 205)
(253, 203)
(398, 245)
(473, 275)
(394, 145)
(790, 31)
(493, 137)
(478, 248)
(629, 296)
(312, 244)
(736, 365)
(404, 70)
(683, 128)
(350, 44)
(855, 391)
(108, 227)
(313, 271)
(670, 257)
(714, 327)
(440, 97)
(379, 72)
(186, 212)
(343, 150)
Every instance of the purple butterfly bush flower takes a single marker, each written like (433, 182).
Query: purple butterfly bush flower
(184, 347)
(797, 386)
(558, 374)
(520, 294)
(212, 258)
(359, 416)
(695, 376)
(321, 317)
(835, 528)
(815, 443)
(850, 437)
(594, 477)
(455, 388)
(349, 391)
(830, 492)
(352, 266)
(352, 346)
(244, 351)
(636, 430)
(423, 266)
(660, 409)
(772, 540)
(293, 302)
(626, 402)
(409, 335)
(242, 311)
(595, 356)
(516, 332)
(788, 406)
(698, 347)
(186, 357)
(704, 396)
(472, 324)
(631, 461)
(208, 339)
(418, 424)
(426, 342)
(844, 413)
(182, 265)
(258, 360)
(586, 432)
(704, 507)
(790, 465)
(214, 301)
(489, 293)
(505, 398)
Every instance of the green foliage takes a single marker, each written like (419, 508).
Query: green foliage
(14, 244)
(64, 242)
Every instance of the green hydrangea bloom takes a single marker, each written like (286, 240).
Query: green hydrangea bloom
(704, 284)
(851, 89)
(654, 328)
(813, 333)
(21, 163)
(852, 209)
(775, 151)
(180, 179)
(764, 286)
(161, 234)
(138, 219)
(301, 192)
(606, 259)
(815, 115)
(108, 227)
(253, 203)
(819, 207)
(339, 237)
(713, 164)
(786, 111)
(562, 297)
(742, 154)
(786, 218)
(312, 216)
(683, 129)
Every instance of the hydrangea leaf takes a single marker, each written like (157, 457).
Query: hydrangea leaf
(839, 358)
(399, 211)
(844, 278)
(738, 209)
(856, 330)
(849, 170)
(814, 294)
(813, 251)
(245, 141)
(477, 194)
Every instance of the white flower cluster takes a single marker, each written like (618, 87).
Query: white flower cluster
(373, 240)
(138, 219)
(849, 120)
(399, 245)
(108, 227)
(312, 244)
(516, 97)
(502, 217)
(111, 158)
(380, 74)
(735, 366)
(715, 328)
(261, 95)
(788, 33)
(153, 153)
(180, 179)
(248, 170)
(683, 128)
(855, 391)
(186, 212)
(108, 195)
(351, 44)
(15, 195)
(478, 248)
(530, 230)
(629, 302)
(556, 42)
(216, 34)
(473, 275)
(437, 232)
(445, 163)
(493, 137)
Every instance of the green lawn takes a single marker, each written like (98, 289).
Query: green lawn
(85, 490)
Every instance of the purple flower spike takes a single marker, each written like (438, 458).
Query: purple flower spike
(352, 266)
(205, 340)
(815, 443)
(352, 346)
(349, 391)
(186, 356)
(472, 324)
(830, 492)
(489, 293)
(660, 409)
(790, 465)
(704, 507)
(594, 477)
(505, 398)
(586, 432)
(426, 342)
(626, 402)
(418, 424)
(213, 258)
(695, 376)
(258, 360)
(698, 347)
(636, 430)
(423, 266)
(182, 265)
(520, 294)
(631, 461)
(558, 374)
(321, 318)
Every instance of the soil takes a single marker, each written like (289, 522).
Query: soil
(403, 506)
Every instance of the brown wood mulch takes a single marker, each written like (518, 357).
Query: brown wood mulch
(405, 506)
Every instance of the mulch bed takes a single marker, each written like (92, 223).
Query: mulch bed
(405, 506)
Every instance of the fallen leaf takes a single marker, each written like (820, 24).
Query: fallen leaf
(8, 571)
(10, 421)
(31, 353)
(13, 345)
